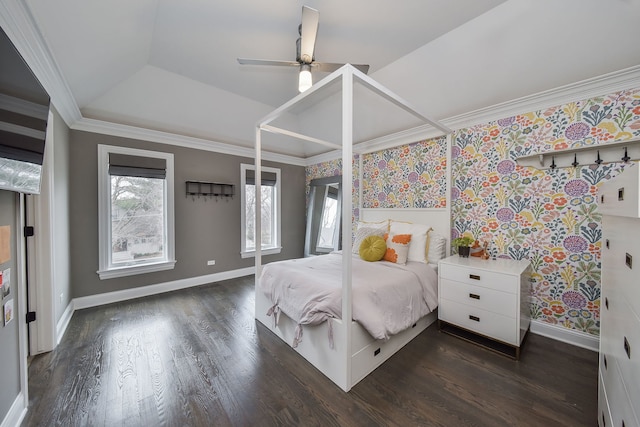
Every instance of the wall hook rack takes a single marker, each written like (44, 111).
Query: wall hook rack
(606, 153)
(209, 189)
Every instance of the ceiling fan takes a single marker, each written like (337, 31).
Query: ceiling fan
(305, 46)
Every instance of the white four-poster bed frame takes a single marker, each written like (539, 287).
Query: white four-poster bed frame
(355, 353)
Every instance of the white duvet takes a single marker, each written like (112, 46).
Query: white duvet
(386, 298)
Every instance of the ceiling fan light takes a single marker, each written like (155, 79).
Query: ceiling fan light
(304, 79)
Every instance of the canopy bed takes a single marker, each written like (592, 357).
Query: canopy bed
(347, 351)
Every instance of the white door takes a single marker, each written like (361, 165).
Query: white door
(39, 277)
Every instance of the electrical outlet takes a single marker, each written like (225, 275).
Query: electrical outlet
(211, 262)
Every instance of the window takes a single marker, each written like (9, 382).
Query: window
(135, 211)
(269, 209)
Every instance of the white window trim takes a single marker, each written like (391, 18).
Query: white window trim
(106, 270)
(244, 253)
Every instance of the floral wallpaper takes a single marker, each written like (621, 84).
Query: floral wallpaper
(549, 217)
(409, 176)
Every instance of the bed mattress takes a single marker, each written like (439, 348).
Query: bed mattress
(386, 297)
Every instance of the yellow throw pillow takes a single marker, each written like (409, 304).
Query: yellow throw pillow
(372, 248)
(397, 248)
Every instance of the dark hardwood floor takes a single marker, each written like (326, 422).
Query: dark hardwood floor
(197, 357)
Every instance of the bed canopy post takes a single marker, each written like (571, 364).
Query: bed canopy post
(448, 184)
(258, 209)
(347, 209)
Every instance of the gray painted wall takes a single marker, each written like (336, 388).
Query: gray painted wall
(9, 344)
(205, 229)
(60, 226)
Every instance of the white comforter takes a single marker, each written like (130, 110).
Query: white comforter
(386, 298)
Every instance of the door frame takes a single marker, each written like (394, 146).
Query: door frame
(39, 257)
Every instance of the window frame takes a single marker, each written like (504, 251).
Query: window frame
(106, 268)
(277, 247)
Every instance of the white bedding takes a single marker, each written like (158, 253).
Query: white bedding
(386, 298)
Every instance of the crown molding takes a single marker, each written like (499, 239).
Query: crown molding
(133, 132)
(628, 78)
(324, 157)
(19, 24)
(419, 133)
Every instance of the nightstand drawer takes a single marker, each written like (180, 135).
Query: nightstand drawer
(487, 299)
(477, 277)
(484, 322)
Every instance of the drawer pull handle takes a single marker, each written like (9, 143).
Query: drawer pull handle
(474, 296)
(377, 352)
(474, 318)
(607, 243)
(627, 347)
(474, 277)
(605, 362)
(606, 302)
(628, 259)
(621, 194)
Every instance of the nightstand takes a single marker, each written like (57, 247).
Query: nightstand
(485, 301)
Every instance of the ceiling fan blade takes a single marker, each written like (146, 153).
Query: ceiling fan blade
(308, 33)
(246, 61)
(329, 67)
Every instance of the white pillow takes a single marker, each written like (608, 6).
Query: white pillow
(418, 249)
(363, 233)
(383, 225)
(437, 247)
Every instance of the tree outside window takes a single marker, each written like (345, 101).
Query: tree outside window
(269, 210)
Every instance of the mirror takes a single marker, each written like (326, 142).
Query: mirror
(324, 216)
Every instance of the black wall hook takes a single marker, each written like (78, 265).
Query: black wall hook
(598, 159)
(553, 163)
(575, 161)
(626, 157)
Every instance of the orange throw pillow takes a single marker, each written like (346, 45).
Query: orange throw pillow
(397, 248)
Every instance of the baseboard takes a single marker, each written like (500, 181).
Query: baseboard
(16, 413)
(569, 336)
(143, 291)
(63, 323)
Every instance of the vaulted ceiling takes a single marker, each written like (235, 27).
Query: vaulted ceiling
(170, 65)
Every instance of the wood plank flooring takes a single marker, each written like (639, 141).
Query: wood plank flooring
(197, 357)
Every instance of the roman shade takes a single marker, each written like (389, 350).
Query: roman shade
(143, 167)
(268, 178)
(23, 127)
